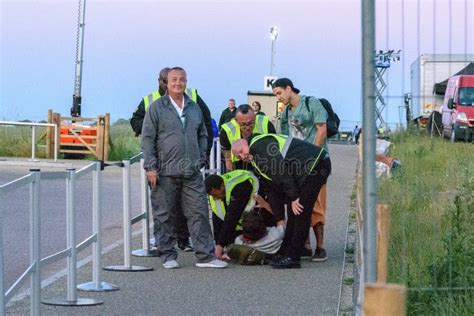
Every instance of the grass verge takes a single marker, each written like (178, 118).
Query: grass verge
(432, 224)
(15, 141)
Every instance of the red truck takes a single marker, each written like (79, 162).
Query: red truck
(458, 108)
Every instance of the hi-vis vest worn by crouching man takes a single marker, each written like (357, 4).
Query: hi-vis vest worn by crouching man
(232, 129)
(231, 179)
(155, 95)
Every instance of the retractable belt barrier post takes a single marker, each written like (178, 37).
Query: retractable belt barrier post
(214, 159)
(218, 156)
(72, 249)
(2, 290)
(144, 216)
(127, 221)
(97, 285)
(35, 242)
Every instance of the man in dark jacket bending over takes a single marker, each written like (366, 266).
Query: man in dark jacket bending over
(294, 171)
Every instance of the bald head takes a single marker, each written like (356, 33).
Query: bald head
(240, 149)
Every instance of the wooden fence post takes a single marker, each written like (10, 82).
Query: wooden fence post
(57, 120)
(384, 299)
(106, 136)
(100, 137)
(383, 234)
(50, 136)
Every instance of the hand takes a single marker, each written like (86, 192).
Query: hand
(152, 178)
(281, 223)
(296, 207)
(228, 165)
(262, 203)
(219, 252)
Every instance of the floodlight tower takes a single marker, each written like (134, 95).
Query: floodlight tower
(382, 63)
(273, 36)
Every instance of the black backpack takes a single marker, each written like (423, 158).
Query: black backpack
(332, 122)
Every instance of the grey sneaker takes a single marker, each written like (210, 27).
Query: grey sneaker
(216, 263)
(171, 264)
(319, 255)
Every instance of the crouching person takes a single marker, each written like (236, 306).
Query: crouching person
(295, 171)
(258, 243)
(230, 196)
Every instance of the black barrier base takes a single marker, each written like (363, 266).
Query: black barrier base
(128, 269)
(144, 253)
(93, 287)
(78, 302)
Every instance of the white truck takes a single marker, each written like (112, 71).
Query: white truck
(426, 71)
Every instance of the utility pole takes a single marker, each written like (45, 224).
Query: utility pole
(273, 36)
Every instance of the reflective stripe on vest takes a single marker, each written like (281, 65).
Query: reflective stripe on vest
(284, 142)
(232, 130)
(192, 93)
(149, 99)
(261, 124)
(231, 180)
(217, 208)
(155, 95)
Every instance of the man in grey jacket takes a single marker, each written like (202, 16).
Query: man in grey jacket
(174, 142)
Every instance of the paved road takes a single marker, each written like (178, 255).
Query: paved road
(314, 289)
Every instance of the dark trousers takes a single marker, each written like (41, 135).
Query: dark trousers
(193, 202)
(182, 231)
(297, 226)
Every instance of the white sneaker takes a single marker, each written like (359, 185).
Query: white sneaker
(216, 263)
(171, 264)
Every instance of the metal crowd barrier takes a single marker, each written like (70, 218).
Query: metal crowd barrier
(215, 158)
(128, 221)
(33, 136)
(71, 175)
(33, 271)
(70, 253)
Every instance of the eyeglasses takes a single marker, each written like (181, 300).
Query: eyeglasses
(247, 124)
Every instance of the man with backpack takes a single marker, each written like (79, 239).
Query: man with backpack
(306, 118)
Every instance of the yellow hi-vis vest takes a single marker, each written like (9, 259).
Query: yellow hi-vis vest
(155, 95)
(231, 179)
(232, 129)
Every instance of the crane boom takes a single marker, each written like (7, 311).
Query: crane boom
(76, 98)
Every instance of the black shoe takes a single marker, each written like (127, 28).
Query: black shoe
(306, 253)
(185, 246)
(276, 258)
(320, 255)
(286, 263)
